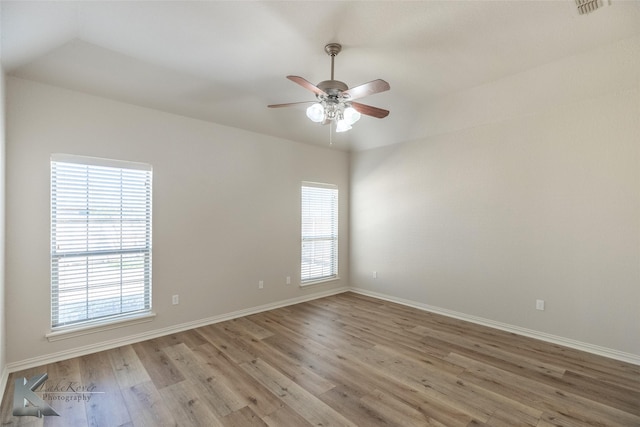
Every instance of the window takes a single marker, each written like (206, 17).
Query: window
(100, 239)
(319, 232)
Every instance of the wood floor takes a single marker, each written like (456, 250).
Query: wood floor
(344, 360)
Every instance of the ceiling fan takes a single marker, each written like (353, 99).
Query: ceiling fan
(335, 101)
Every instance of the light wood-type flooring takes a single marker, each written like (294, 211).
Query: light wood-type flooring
(343, 360)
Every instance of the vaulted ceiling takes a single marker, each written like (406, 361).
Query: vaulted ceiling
(225, 61)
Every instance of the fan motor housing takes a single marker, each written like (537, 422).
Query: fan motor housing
(333, 87)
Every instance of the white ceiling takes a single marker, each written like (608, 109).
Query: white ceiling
(225, 61)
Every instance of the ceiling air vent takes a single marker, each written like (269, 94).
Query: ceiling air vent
(588, 6)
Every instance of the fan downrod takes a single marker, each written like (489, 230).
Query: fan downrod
(333, 87)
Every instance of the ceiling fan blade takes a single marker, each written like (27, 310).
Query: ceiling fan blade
(305, 84)
(290, 104)
(370, 111)
(374, 86)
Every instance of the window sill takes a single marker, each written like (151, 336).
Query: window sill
(318, 282)
(93, 327)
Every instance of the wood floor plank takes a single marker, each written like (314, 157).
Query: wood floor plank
(127, 367)
(502, 418)
(188, 407)
(330, 335)
(66, 379)
(233, 348)
(521, 362)
(285, 417)
(243, 417)
(190, 338)
(306, 378)
(106, 409)
(437, 385)
(604, 392)
(349, 375)
(545, 397)
(348, 402)
(380, 335)
(344, 360)
(258, 398)
(305, 404)
(249, 328)
(158, 365)
(551, 421)
(146, 406)
(202, 379)
(396, 412)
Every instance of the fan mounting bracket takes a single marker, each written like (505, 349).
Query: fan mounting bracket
(333, 49)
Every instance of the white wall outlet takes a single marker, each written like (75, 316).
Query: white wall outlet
(261, 284)
(175, 300)
(539, 304)
(375, 274)
(288, 280)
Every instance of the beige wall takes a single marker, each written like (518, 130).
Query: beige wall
(539, 201)
(226, 209)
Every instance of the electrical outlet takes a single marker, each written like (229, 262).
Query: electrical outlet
(288, 280)
(175, 300)
(375, 274)
(261, 284)
(540, 304)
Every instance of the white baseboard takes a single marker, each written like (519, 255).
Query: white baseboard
(131, 339)
(566, 342)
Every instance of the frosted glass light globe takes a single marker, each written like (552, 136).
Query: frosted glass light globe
(342, 126)
(351, 115)
(316, 113)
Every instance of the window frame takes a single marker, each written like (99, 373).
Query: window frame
(333, 236)
(143, 188)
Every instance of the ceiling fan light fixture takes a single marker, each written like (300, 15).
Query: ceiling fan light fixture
(351, 115)
(342, 125)
(316, 112)
(334, 98)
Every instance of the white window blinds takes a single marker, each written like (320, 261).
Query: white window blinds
(319, 232)
(100, 239)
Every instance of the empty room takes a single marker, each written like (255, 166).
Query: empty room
(320, 213)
